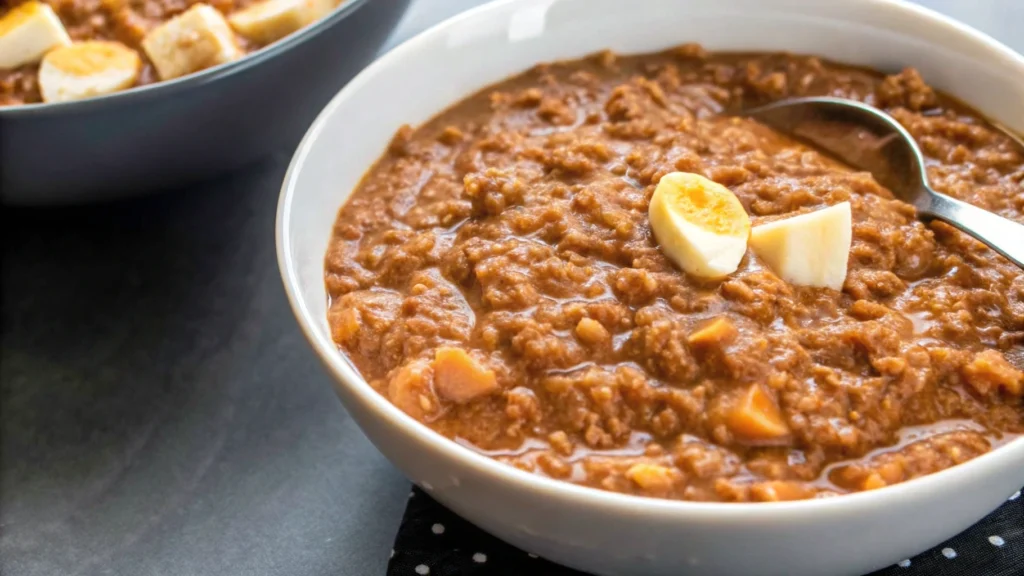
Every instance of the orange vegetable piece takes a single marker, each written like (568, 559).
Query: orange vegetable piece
(716, 334)
(459, 377)
(651, 477)
(345, 324)
(874, 481)
(756, 417)
(780, 491)
(591, 331)
(410, 390)
(990, 372)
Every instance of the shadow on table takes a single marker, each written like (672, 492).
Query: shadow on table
(108, 306)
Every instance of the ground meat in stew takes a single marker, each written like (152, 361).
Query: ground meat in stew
(494, 275)
(125, 21)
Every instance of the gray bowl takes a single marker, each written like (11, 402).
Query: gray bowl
(174, 133)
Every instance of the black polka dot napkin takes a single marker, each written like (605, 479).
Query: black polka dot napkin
(434, 541)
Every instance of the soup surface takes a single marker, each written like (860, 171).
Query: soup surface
(495, 276)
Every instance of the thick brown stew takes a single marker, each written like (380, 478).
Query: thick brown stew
(495, 277)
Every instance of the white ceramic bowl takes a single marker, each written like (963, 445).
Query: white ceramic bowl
(597, 531)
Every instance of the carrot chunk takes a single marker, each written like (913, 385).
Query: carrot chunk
(780, 491)
(345, 325)
(592, 332)
(651, 477)
(410, 390)
(718, 333)
(990, 372)
(459, 377)
(874, 481)
(756, 417)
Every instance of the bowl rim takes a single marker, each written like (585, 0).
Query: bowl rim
(196, 79)
(345, 375)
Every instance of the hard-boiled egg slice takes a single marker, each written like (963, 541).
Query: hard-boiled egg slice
(197, 38)
(810, 249)
(699, 224)
(28, 32)
(269, 20)
(87, 69)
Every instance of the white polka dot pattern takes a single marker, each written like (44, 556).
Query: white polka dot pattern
(433, 540)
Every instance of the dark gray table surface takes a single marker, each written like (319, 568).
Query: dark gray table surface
(160, 411)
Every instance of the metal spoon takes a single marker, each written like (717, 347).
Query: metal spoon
(868, 139)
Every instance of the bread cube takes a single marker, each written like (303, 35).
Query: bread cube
(196, 39)
(87, 69)
(28, 32)
(270, 20)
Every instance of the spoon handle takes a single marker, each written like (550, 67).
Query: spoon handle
(1000, 234)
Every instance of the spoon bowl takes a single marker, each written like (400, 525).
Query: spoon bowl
(866, 138)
